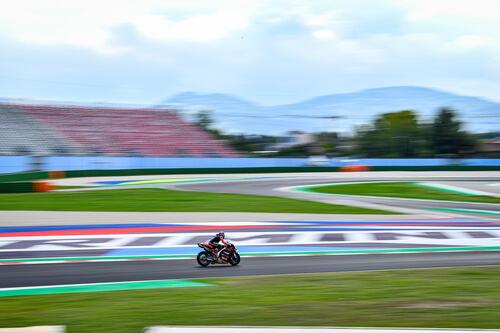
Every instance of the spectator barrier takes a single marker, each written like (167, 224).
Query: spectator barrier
(17, 177)
(13, 164)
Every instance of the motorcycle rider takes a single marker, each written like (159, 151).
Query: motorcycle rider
(216, 243)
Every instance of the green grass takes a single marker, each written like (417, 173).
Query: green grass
(401, 190)
(442, 298)
(162, 200)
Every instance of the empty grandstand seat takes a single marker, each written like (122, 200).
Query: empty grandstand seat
(21, 134)
(114, 131)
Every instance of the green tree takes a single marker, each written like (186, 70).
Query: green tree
(295, 151)
(204, 119)
(447, 136)
(327, 142)
(395, 134)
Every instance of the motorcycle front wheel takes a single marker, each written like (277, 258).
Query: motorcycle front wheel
(234, 259)
(203, 259)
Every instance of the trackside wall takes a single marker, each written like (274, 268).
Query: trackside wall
(14, 164)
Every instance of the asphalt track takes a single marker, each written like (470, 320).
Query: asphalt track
(278, 187)
(75, 273)
(52, 274)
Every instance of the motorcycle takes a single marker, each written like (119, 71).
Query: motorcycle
(228, 255)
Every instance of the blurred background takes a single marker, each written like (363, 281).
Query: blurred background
(396, 79)
(153, 125)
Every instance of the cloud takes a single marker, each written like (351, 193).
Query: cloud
(459, 9)
(89, 24)
(324, 34)
(469, 42)
(272, 51)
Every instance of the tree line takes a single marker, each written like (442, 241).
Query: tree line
(393, 134)
(401, 134)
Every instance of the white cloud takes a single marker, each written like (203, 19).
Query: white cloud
(324, 34)
(88, 24)
(439, 9)
(471, 42)
(297, 46)
(321, 20)
(200, 28)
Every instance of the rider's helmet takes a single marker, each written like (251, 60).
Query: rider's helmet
(221, 234)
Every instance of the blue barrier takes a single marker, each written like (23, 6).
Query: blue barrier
(397, 162)
(109, 163)
(11, 164)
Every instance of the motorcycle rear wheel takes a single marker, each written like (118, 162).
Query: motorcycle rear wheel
(234, 259)
(202, 259)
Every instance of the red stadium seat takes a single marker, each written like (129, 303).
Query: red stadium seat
(119, 131)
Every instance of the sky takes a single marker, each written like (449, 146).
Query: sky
(270, 52)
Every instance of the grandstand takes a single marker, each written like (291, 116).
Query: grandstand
(75, 130)
(22, 135)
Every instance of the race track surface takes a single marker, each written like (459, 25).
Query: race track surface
(84, 250)
(281, 187)
(57, 274)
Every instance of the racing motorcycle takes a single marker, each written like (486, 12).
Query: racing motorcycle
(228, 255)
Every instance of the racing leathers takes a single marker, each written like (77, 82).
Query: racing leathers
(216, 244)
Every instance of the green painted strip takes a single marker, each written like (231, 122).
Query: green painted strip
(95, 287)
(263, 254)
(464, 210)
(445, 188)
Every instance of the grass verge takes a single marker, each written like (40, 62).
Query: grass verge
(163, 200)
(401, 190)
(442, 298)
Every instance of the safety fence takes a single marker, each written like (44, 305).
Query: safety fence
(26, 176)
(13, 164)
(63, 167)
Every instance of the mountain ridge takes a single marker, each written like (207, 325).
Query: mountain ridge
(352, 109)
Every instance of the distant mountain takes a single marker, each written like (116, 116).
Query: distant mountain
(222, 101)
(241, 116)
